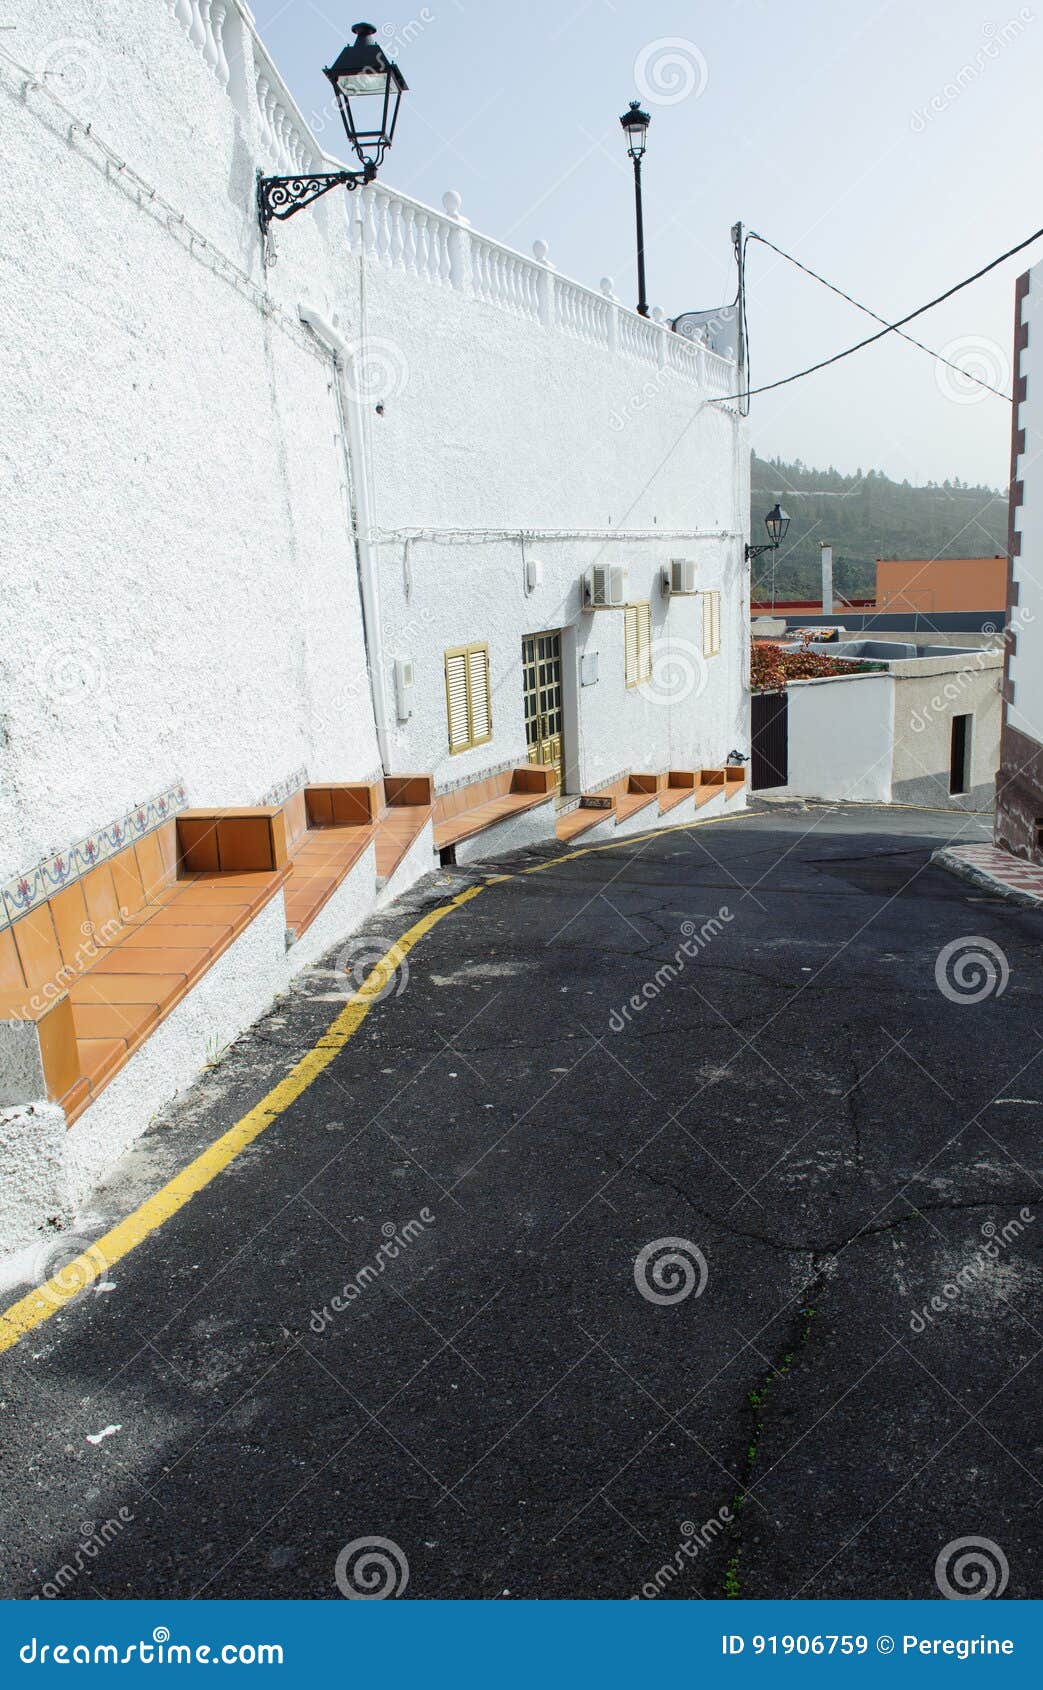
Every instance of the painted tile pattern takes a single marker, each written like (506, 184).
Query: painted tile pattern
(285, 788)
(1012, 873)
(25, 891)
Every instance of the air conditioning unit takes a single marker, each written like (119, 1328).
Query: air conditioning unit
(404, 688)
(679, 577)
(604, 586)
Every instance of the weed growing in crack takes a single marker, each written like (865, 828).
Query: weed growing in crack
(757, 1400)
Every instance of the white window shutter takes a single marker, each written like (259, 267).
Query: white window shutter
(644, 642)
(631, 643)
(456, 699)
(478, 688)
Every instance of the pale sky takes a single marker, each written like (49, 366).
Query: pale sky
(894, 148)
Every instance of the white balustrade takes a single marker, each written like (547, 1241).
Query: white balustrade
(204, 23)
(440, 247)
(503, 277)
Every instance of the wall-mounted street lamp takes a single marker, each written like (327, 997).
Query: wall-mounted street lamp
(368, 87)
(635, 127)
(776, 522)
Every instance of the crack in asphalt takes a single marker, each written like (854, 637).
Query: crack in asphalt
(826, 1249)
(791, 1350)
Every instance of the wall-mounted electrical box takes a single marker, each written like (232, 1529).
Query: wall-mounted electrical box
(404, 688)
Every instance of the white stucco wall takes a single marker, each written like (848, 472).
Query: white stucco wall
(177, 537)
(178, 565)
(186, 496)
(841, 738)
(929, 692)
(502, 440)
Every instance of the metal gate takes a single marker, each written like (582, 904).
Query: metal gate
(769, 748)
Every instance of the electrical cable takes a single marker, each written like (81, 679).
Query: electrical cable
(857, 303)
(889, 328)
(744, 407)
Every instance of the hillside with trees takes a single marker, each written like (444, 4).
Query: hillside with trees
(866, 516)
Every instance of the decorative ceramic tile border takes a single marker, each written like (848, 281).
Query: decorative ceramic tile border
(25, 891)
(285, 788)
(480, 774)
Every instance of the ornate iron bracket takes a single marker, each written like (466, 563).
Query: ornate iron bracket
(758, 551)
(281, 196)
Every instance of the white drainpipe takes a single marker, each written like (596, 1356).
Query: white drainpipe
(349, 410)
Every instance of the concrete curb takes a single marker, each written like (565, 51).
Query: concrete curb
(947, 859)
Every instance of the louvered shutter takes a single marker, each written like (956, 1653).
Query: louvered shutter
(456, 698)
(644, 642)
(478, 690)
(711, 624)
(631, 643)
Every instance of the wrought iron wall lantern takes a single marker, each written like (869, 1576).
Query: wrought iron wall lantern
(368, 87)
(776, 522)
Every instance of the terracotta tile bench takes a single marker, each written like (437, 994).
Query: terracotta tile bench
(706, 784)
(633, 793)
(471, 809)
(678, 784)
(620, 800)
(581, 819)
(329, 827)
(638, 792)
(408, 805)
(88, 975)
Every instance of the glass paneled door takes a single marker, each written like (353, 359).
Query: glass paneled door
(541, 672)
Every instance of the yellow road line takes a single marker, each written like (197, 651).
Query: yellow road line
(46, 1300)
(43, 1301)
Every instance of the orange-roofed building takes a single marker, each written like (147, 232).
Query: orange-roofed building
(943, 583)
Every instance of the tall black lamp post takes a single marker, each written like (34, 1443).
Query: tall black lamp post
(635, 126)
(368, 87)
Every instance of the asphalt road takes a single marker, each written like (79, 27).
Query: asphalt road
(832, 1136)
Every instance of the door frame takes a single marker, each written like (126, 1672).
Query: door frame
(539, 716)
